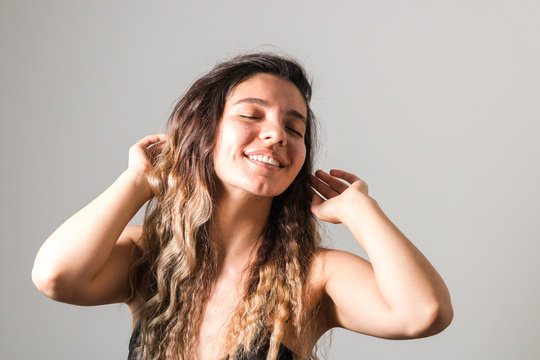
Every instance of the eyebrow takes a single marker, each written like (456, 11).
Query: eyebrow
(262, 102)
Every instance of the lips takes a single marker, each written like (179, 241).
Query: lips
(268, 157)
(265, 159)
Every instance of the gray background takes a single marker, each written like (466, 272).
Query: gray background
(434, 104)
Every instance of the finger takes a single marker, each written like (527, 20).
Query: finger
(316, 201)
(323, 188)
(347, 176)
(313, 193)
(336, 184)
(154, 139)
(158, 144)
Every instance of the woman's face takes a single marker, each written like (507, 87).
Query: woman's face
(260, 146)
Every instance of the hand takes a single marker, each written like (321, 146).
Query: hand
(142, 155)
(336, 192)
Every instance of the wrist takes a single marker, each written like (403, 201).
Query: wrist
(355, 205)
(139, 182)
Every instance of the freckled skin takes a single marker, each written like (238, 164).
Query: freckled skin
(272, 129)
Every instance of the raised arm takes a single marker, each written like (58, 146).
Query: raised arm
(95, 241)
(397, 294)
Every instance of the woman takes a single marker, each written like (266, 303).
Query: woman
(228, 261)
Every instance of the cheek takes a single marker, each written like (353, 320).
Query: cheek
(231, 141)
(301, 151)
(226, 137)
(298, 153)
(235, 135)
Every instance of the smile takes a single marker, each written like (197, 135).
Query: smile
(254, 159)
(265, 159)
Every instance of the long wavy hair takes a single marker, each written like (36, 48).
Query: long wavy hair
(176, 266)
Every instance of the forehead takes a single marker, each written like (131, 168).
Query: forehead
(271, 88)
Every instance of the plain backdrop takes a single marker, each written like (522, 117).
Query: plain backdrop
(435, 104)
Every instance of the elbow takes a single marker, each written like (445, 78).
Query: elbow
(435, 320)
(48, 283)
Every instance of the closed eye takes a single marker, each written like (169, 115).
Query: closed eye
(295, 132)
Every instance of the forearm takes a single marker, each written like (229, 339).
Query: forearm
(406, 279)
(76, 252)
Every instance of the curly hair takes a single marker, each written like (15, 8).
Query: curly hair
(176, 261)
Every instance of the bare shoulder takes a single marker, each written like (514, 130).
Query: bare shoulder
(336, 274)
(327, 262)
(319, 303)
(353, 299)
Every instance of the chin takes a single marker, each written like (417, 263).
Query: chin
(267, 193)
(264, 190)
(250, 185)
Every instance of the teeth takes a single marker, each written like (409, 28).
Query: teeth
(265, 159)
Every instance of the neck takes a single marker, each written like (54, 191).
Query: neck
(238, 223)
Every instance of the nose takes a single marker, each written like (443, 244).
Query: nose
(274, 132)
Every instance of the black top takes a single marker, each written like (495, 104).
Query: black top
(284, 352)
